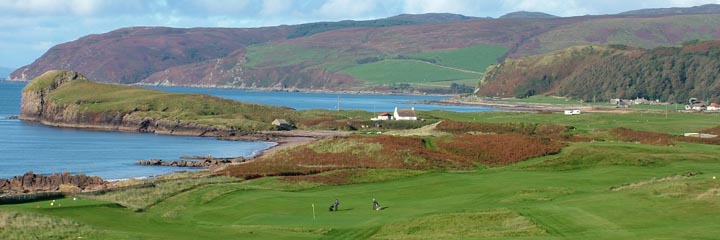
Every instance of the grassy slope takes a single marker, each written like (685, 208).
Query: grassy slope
(542, 197)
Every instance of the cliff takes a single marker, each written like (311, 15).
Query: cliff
(68, 99)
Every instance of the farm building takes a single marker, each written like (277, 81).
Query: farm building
(405, 114)
(282, 124)
(381, 117)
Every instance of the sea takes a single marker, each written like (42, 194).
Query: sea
(28, 146)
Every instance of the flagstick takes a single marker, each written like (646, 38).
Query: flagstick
(313, 205)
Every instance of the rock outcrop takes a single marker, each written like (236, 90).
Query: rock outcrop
(204, 162)
(31, 182)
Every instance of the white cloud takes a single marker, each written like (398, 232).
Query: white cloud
(347, 8)
(433, 6)
(275, 7)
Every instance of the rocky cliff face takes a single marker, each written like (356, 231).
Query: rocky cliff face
(37, 105)
(31, 182)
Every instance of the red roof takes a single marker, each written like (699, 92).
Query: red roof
(714, 105)
(384, 114)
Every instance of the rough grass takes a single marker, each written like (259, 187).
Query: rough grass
(490, 224)
(15, 225)
(152, 191)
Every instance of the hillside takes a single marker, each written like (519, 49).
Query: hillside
(129, 55)
(526, 14)
(703, 9)
(354, 55)
(594, 73)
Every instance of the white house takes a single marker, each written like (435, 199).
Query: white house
(572, 112)
(713, 107)
(405, 114)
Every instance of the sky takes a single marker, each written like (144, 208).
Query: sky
(28, 28)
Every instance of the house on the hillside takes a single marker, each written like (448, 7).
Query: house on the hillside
(381, 117)
(622, 104)
(282, 124)
(696, 106)
(713, 107)
(405, 114)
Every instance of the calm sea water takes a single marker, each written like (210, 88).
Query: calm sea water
(26, 146)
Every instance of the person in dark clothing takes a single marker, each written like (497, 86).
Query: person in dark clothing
(376, 205)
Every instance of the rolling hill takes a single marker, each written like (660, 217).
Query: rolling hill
(594, 73)
(432, 50)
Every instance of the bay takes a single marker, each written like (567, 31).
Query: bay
(27, 146)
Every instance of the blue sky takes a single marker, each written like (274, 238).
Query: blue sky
(28, 28)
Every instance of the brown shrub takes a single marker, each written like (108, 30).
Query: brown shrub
(500, 149)
(629, 135)
(396, 153)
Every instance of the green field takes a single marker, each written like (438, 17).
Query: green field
(591, 190)
(430, 69)
(407, 71)
(476, 58)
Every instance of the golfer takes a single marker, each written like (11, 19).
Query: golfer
(376, 205)
(337, 204)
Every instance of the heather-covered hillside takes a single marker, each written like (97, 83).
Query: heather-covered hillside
(402, 53)
(590, 73)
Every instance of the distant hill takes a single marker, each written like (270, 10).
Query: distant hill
(595, 73)
(528, 15)
(405, 53)
(704, 9)
(5, 72)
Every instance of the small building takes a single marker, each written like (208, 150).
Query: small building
(713, 107)
(572, 112)
(382, 117)
(697, 106)
(622, 104)
(405, 114)
(282, 124)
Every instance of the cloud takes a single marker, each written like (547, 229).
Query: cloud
(275, 7)
(468, 7)
(347, 8)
